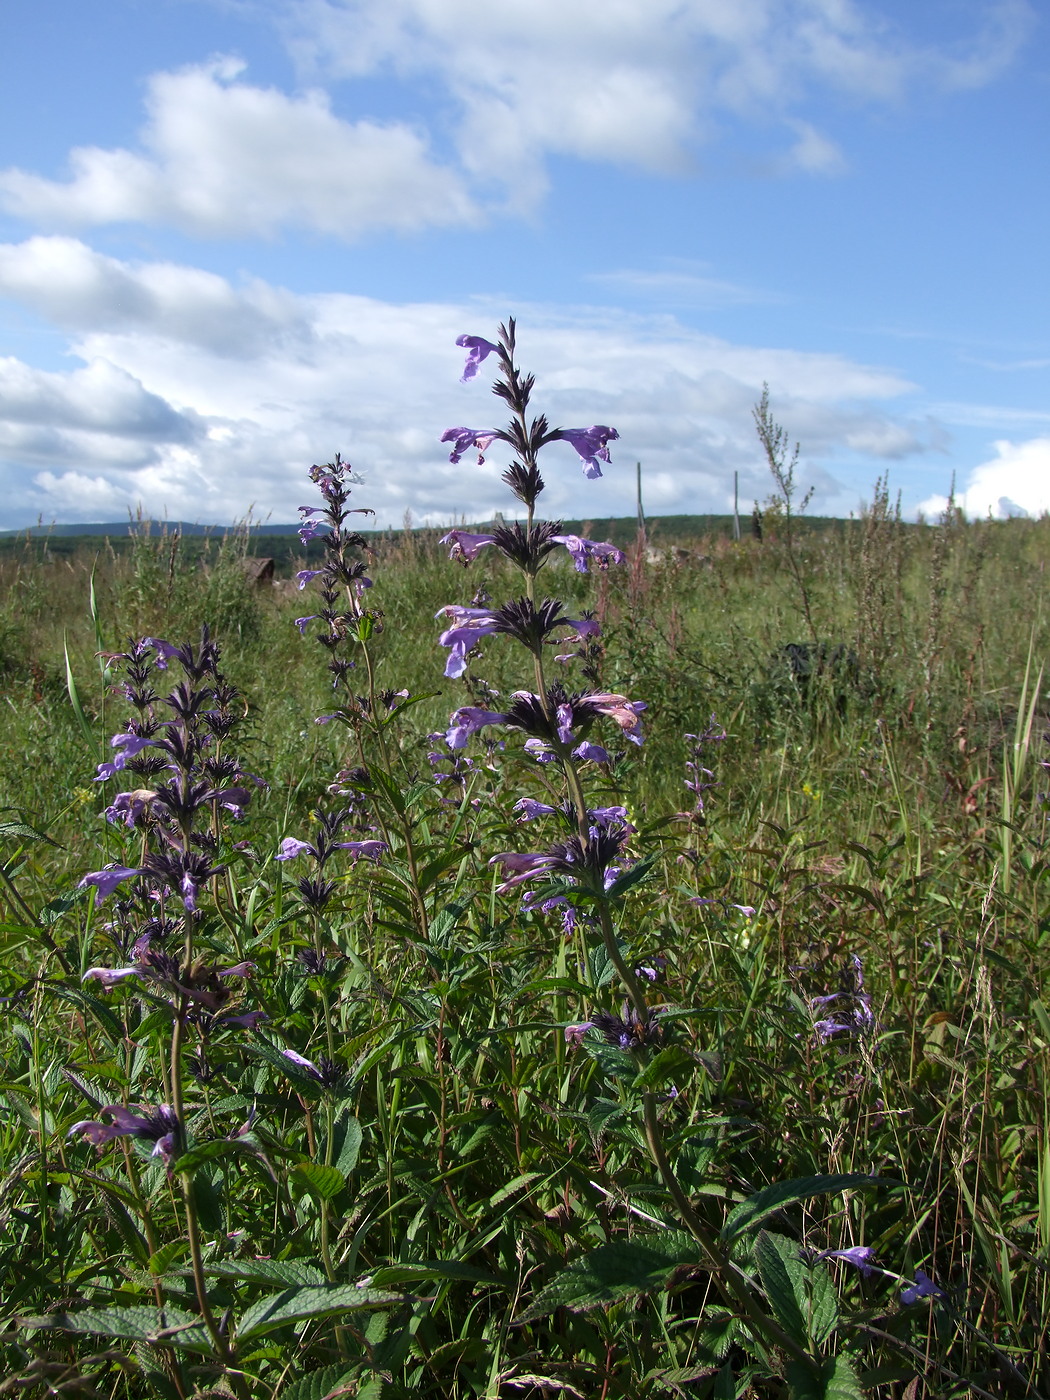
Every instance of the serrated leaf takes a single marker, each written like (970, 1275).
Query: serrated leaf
(323, 1183)
(301, 1304)
(214, 1150)
(294, 1273)
(346, 1140)
(843, 1382)
(615, 1271)
(602, 1115)
(24, 832)
(672, 1062)
(318, 1385)
(749, 1214)
(394, 1275)
(159, 1327)
(823, 1306)
(162, 1260)
(783, 1278)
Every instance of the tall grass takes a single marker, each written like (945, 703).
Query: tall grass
(880, 797)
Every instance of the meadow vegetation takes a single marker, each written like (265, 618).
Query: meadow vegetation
(760, 1111)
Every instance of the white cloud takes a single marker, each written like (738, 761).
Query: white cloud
(166, 410)
(1015, 481)
(225, 158)
(638, 83)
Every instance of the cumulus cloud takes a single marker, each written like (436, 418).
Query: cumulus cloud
(168, 407)
(221, 157)
(1015, 482)
(638, 83)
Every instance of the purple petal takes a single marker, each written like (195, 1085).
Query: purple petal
(106, 881)
(290, 848)
(478, 349)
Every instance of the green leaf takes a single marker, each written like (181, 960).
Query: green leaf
(670, 1063)
(823, 1305)
(638, 872)
(323, 1183)
(74, 700)
(24, 832)
(842, 1382)
(214, 1150)
(783, 1276)
(346, 1140)
(615, 1271)
(750, 1213)
(395, 1275)
(319, 1384)
(301, 1304)
(159, 1327)
(287, 1273)
(162, 1260)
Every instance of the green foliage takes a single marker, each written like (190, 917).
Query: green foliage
(474, 1202)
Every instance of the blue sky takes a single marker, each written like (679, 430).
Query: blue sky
(237, 236)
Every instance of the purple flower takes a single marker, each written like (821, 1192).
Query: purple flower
(305, 575)
(530, 809)
(590, 443)
(591, 753)
(128, 807)
(246, 1022)
(464, 439)
(537, 749)
(478, 349)
(106, 881)
(468, 720)
(625, 712)
(574, 1034)
(923, 1287)
(582, 550)
(474, 623)
(109, 976)
(160, 1127)
(859, 1255)
(371, 850)
(129, 745)
(465, 546)
(302, 1063)
(522, 866)
(301, 622)
(290, 848)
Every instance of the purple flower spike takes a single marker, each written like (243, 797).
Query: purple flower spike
(582, 551)
(106, 881)
(591, 444)
(160, 1127)
(465, 546)
(478, 349)
(463, 439)
(923, 1287)
(859, 1255)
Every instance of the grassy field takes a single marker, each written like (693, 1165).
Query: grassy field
(457, 1192)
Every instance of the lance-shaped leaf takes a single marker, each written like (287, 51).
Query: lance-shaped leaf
(158, 1326)
(303, 1304)
(749, 1214)
(615, 1271)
